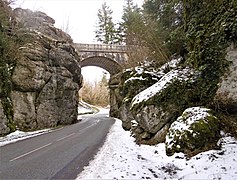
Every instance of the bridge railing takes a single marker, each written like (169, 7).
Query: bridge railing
(101, 48)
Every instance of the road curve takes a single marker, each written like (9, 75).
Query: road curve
(60, 154)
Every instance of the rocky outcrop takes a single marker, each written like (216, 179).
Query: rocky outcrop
(226, 95)
(195, 130)
(47, 75)
(158, 106)
(41, 22)
(149, 101)
(124, 86)
(154, 99)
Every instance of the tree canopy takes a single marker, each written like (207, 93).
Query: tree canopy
(105, 31)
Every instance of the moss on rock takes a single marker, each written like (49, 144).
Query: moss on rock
(195, 130)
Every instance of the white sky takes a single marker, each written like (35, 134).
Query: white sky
(81, 15)
(79, 18)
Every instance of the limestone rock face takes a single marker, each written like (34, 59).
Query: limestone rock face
(24, 110)
(226, 95)
(115, 96)
(47, 75)
(124, 86)
(153, 99)
(40, 22)
(194, 130)
(156, 107)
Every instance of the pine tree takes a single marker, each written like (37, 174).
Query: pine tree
(132, 24)
(105, 32)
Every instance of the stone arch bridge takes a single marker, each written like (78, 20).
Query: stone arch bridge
(109, 57)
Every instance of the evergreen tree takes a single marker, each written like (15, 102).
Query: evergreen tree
(104, 81)
(132, 24)
(105, 32)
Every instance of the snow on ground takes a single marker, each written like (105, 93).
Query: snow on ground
(85, 108)
(121, 158)
(20, 135)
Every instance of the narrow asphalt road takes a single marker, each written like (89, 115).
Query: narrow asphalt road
(60, 154)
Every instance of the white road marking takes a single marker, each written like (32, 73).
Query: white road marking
(18, 157)
(65, 137)
(30, 152)
(90, 125)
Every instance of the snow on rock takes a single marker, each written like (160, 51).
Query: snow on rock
(164, 79)
(134, 79)
(193, 130)
(171, 64)
(158, 106)
(157, 88)
(130, 83)
(121, 158)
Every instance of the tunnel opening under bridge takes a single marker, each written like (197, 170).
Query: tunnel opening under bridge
(95, 88)
(100, 89)
(105, 63)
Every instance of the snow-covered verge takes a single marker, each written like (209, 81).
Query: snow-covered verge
(20, 135)
(121, 158)
(85, 108)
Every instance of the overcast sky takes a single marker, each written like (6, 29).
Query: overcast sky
(79, 18)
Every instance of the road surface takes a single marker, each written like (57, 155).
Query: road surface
(60, 154)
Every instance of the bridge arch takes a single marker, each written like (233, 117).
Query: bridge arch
(105, 56)
(103, 62)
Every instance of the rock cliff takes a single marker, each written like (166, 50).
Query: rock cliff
(46, 77)
(226, 95)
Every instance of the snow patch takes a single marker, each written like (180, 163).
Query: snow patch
(158, 87)
(20, 135)
(192, 115)
(184, 122)
(121, 158)
(134, 78)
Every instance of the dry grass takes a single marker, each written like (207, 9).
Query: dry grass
(96, 93)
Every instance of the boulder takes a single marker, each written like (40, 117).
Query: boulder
(143, 137)
(157, 105)
(129, 83)
(125, 85)
(197, 129)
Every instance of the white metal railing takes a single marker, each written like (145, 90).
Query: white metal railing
(101, 48)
